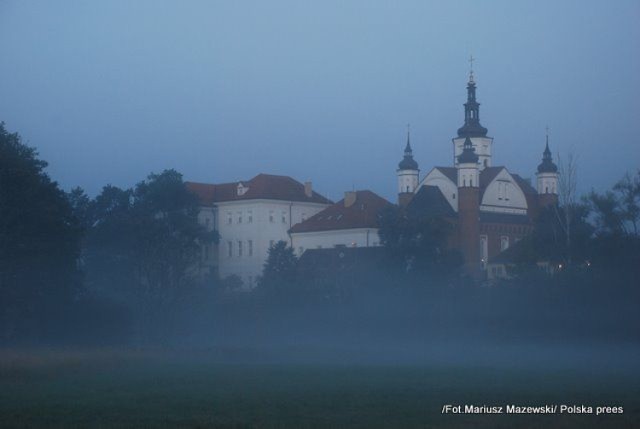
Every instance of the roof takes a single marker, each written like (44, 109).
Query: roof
(429, 202)
(524, 184)
(450, 172)
(468, 155)
(362, 213)
(488, 174)
(262, 186)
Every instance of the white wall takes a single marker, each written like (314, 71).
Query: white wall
(357, 237)
(547, 183)
(482, 145)
(503, 195)
(408, 180)
(260, 222)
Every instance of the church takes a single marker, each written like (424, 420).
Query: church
(491, 207)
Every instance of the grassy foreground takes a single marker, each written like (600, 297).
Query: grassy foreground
(132, 389)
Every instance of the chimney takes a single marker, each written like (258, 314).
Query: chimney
(308, 191)
(349, 198)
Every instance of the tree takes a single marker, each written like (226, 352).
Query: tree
(417, 245)
(144, 245)
(39, 242)
(280, 270)
(567, 186)
(617, 212)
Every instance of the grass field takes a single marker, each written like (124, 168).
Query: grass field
(108, 388)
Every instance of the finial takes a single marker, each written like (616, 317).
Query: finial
(547, 136)
(471, 60)
(408, 147)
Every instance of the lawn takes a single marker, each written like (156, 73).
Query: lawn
(107, 388)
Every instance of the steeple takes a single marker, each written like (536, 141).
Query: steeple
(547, 165)
(471, 127)
(408, 163)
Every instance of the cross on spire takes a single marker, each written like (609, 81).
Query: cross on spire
(471, 60)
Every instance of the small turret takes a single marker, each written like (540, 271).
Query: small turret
(547, 178)
(408, 174)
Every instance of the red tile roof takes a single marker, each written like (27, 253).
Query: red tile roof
(363, 213)
(263, 186)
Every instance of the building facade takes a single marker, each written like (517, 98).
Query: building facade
(250, 217)
(491, 206)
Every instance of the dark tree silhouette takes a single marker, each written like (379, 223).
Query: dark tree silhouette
(39, 243)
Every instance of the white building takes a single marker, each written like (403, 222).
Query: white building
(351, 222)
(250, 217)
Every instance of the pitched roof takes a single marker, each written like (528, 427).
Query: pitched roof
(488, 174)
(525, 185)
(450, 172)
(262, 186)
(429, 202)
(363, 213)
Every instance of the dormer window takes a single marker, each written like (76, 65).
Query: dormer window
(241, 189)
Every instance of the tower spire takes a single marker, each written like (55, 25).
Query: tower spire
(407, 149)
(472, 127)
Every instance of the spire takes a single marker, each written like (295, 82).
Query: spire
(407, 149)
(547, 165)
(471, 127)
(468, 155)
(408, 163)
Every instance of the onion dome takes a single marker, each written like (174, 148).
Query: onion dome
(408, 163)
(468, 155)
(547, 165)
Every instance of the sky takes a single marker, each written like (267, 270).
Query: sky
(111, 91)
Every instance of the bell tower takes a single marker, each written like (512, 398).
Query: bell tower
(472, 128)
(408, 174)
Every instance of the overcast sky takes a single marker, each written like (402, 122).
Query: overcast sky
(221, 91)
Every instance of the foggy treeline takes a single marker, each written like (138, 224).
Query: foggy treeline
(118, 269)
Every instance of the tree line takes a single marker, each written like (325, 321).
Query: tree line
(122, 266)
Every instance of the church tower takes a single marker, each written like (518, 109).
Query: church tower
(547, 179)
(408, 174)
(472, 128)
(469, 208)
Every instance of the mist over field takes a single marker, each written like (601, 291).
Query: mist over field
(247, 214)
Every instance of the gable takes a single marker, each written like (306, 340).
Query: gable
(445, 179)
(502, 193)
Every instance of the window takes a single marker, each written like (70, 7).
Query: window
(250, 216)
(239, 217)
(504, 243)
(250, 247)
(271, 216)
(284, 217)
(453, 196)
(239, 247)
(229, 249)
(229, 218)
